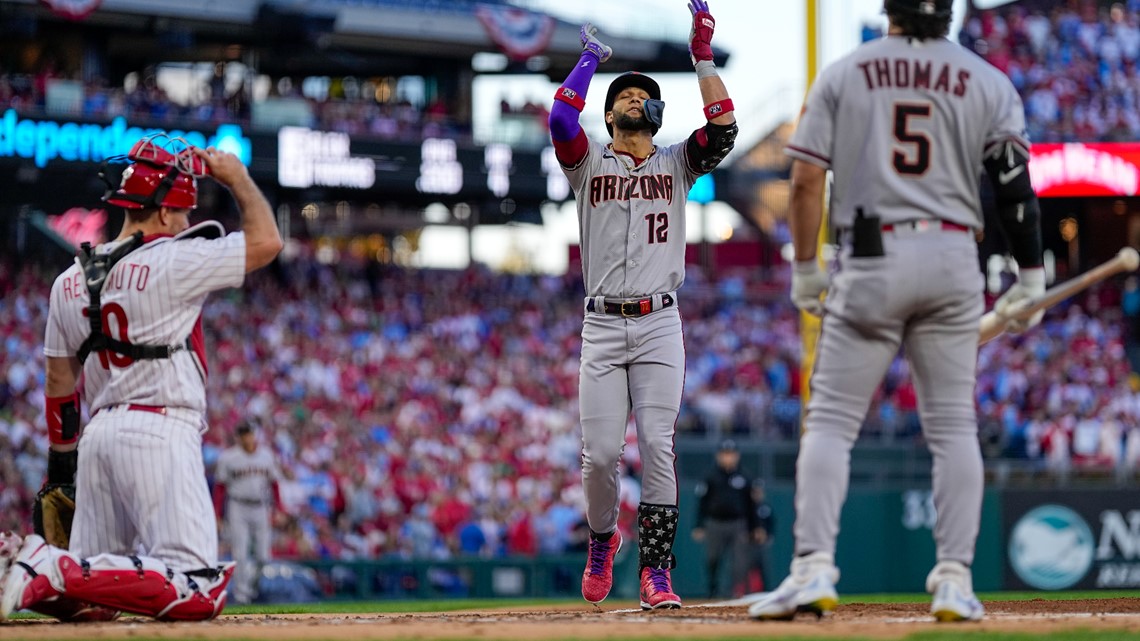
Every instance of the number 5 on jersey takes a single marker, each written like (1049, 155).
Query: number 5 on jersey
(913, 158)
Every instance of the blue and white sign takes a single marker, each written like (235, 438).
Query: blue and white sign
(1051, 547)
(46, 140)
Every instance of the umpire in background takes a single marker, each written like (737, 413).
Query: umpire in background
(727, 518)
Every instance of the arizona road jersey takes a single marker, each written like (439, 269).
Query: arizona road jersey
(153, 296)
(631, 220)
(896, 110)
(248, 476)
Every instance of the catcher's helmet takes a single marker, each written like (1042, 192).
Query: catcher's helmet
(158, 177)
(641, 81)
(920, 8)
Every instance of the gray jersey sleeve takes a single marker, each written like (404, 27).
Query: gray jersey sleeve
(814, 136)
(590, 166)
(1008, 115)
(223, 471)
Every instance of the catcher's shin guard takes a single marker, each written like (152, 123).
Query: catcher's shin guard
(43, 574)
(148, 588)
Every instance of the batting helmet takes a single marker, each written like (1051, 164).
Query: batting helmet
(641, 81)
(920, 8)
(157, 177)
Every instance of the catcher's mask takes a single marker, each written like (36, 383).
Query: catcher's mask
(653, 108)
(162, 172)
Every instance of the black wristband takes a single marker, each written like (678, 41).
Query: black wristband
(61, 467)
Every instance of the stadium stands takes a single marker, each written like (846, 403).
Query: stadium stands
(414, 423)
(147, 102)
(1074, 64)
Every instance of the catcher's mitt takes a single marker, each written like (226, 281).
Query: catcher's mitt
(53, 512)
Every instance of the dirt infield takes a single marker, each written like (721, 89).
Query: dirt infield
(872, 621)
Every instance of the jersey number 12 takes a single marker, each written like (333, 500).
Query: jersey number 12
(658, 227)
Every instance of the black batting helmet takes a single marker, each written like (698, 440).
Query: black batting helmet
(631, 79)
(920, 8)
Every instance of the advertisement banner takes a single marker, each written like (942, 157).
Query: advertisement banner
(46, 141)
(1072, 539)
(1085, 169)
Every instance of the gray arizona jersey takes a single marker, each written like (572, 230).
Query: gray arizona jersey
(632, 220)
(898, 109)
(247, 476)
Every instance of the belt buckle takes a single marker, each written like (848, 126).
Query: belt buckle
(633, 306)
(923, 225)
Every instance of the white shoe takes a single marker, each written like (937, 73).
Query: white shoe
(10, 544)
(23, 585)
(953, 591)
(809, 588)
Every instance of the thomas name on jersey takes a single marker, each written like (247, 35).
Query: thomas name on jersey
(611, 187)
(904, 73)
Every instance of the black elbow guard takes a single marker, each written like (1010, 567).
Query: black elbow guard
(1022, 225)
(1019, 213)
(1007, 164)
(709, 145)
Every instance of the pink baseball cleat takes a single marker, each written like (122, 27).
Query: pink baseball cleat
(599, 575)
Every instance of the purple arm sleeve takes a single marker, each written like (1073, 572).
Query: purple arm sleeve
(564, 118)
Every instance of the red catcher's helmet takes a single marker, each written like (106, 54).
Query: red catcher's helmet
(157, 177)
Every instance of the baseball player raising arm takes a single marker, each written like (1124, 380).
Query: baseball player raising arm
(631, 197)
(906, 125)
(127, 318)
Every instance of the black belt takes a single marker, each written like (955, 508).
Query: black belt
(247, 501)
(633, 308)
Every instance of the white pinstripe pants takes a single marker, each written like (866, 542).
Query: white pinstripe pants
(141, 489)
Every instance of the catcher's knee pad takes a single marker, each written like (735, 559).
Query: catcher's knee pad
(146, 586)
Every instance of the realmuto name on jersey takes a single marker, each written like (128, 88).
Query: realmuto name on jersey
(608, 187)
(130, 276)
(907, 73)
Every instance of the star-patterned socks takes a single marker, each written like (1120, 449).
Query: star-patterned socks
(657, 526)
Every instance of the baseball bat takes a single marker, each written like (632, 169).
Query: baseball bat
(993, 324)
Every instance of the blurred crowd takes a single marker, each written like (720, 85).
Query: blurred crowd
(433, 414)
(348, 105)
(1074, 62)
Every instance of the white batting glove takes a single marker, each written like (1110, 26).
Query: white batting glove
(808, 282)
(1030, 284)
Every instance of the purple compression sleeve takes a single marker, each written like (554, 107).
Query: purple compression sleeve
(564, 118)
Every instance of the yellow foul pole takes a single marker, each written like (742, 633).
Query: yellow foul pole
(810, 325)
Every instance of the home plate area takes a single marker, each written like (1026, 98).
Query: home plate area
(618, 621)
